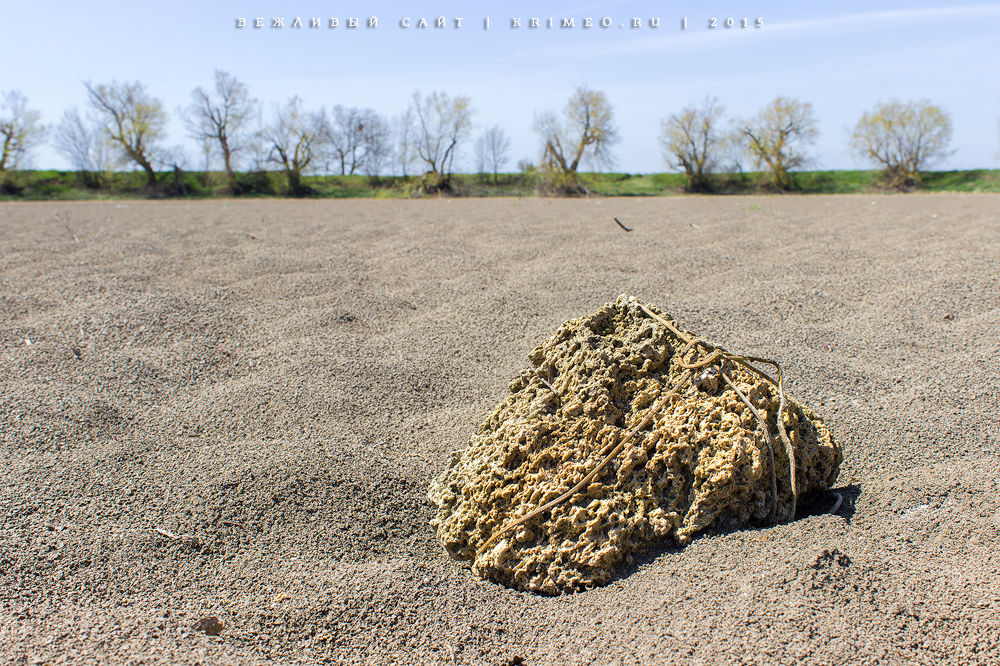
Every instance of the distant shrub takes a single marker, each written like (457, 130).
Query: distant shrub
(255, 183)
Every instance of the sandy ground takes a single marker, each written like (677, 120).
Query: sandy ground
(276, 382)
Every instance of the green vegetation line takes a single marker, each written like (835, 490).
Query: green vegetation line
(70, 185)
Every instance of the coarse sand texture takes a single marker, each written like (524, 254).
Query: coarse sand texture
(225, 416)
(625, 430)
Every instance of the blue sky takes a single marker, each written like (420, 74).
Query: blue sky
(842, 57)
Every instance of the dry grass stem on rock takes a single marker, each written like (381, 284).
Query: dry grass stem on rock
(626, 430)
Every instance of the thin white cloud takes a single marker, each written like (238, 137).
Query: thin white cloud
(811, 28)
(597, 5)
(868, 19)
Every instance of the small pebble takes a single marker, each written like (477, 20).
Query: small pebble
(211, 625)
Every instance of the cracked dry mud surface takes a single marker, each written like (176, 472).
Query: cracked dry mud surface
(703, 460)
(281, 381)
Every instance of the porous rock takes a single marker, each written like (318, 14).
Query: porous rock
(703, 460)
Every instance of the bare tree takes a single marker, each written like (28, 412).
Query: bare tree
(133, 121)
(174, 158)
(778, 136)
(20, 131)
(904, 138)
(294, 138)
(221, 118)
(208, 149)
(347, 137)
(587, 134)
(692, 143)
(83, 143)
(479, 151)
(734, 147)
(441, 124)
(492, 151)
(377, 140)
(258, 148)
(404, 141)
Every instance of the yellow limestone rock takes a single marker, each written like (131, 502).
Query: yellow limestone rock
(702, 459)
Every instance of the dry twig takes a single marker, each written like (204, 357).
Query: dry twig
(193, 540)
(621, 225)
(417, 455)
(545, 381)
(836, 505)
(65, 222)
